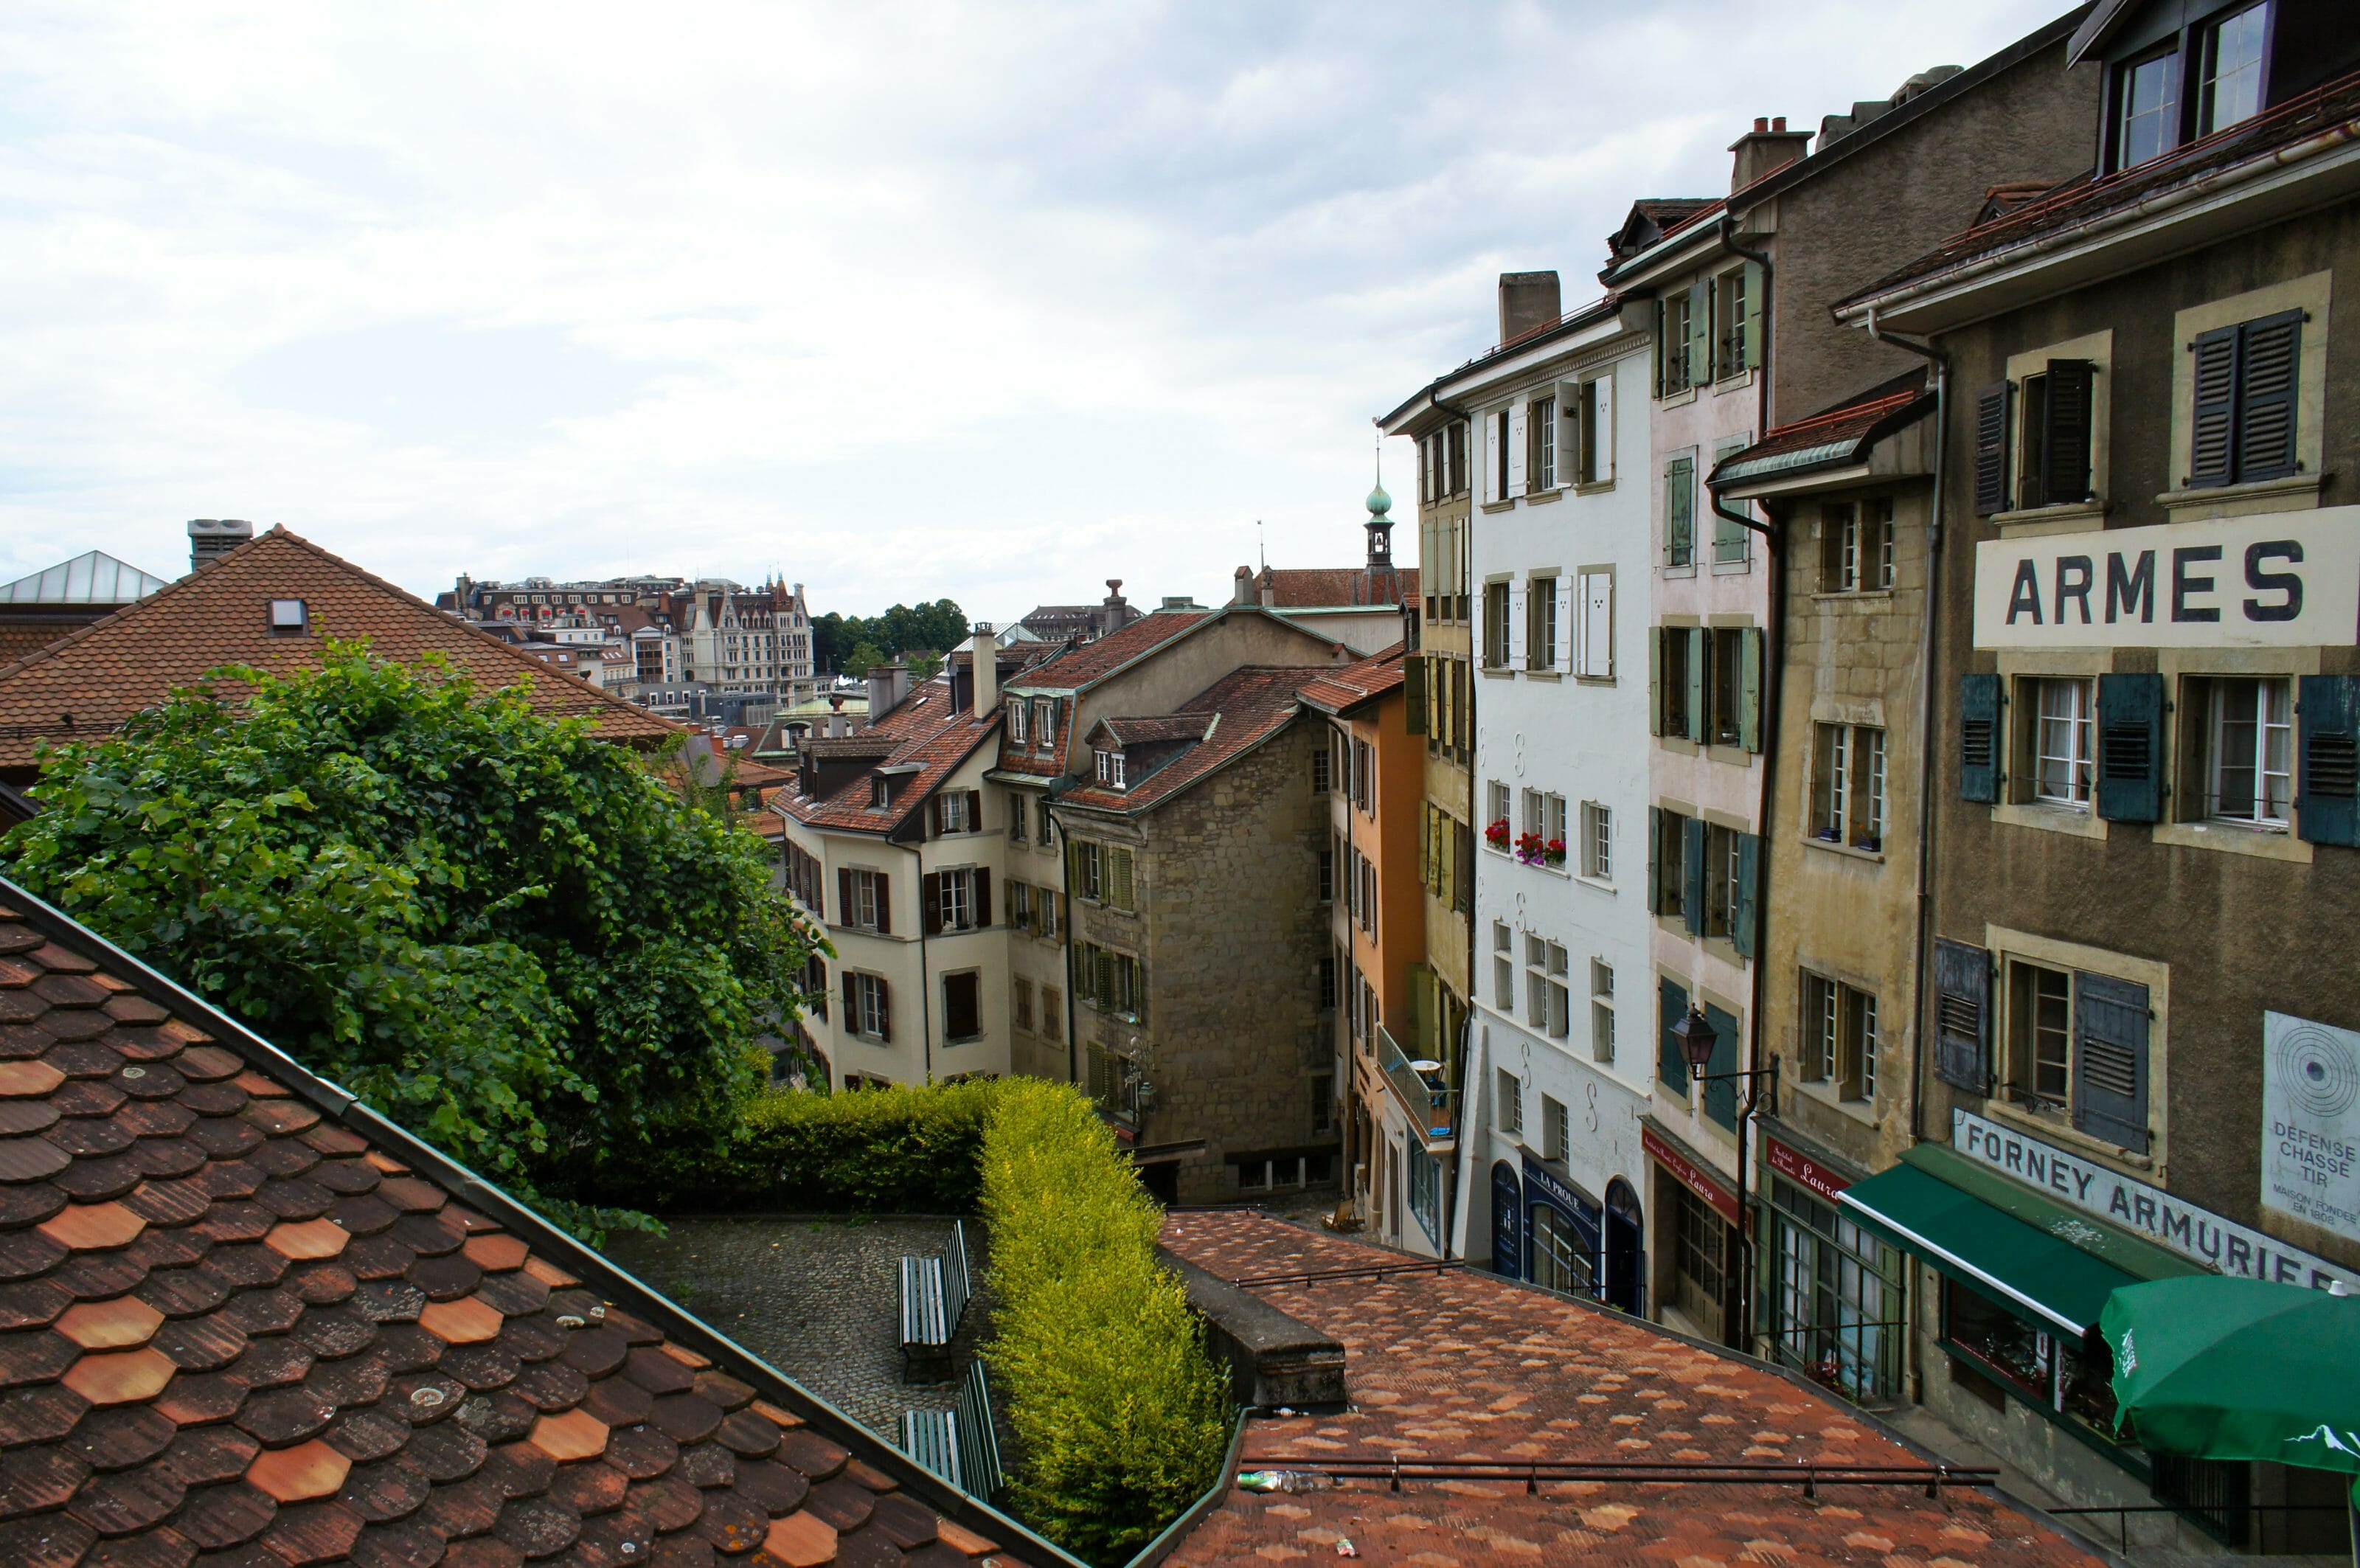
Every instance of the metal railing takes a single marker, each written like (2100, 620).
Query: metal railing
(2258, 1513)
(1428, 1098)
(1809, 1475)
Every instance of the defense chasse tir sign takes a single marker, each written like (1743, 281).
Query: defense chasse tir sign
(2284, 580)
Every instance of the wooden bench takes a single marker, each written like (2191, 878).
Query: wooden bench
(935, 1292)
(959, 1445)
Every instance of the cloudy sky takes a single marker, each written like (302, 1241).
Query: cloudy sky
(898, 301)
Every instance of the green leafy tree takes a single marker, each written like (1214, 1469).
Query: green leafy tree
(506, 935)
(864, 655)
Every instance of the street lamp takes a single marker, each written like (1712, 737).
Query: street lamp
(1696, 1037)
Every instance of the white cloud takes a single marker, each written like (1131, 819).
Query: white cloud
(901, 300)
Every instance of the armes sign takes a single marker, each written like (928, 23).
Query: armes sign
(2288, 579)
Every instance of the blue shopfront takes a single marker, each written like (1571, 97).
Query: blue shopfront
(1547, 1231)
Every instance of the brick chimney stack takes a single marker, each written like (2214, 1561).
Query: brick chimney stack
(1769, 146)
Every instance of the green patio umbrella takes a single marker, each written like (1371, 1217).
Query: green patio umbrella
(2222, 1368)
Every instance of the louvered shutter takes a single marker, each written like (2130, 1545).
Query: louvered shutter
(1692, 839)
(844, 898)
(930, 904)
(1991, 449)
(1680, 510)
(1656, 635)
(884, 904)
(962, 1005)
(1700, 332)
(2065, 443)
(1413, 693)
(2130, 748)
(2269, 358)
(2213, 440)
(1753, 292)
(1979, 738)
(1699, 641)
(2327, 791)
(1749, 695)
(851, 1006)
(1562, 655)
(1120, 894)
(1962, 1015)
(982, 897)
(1670, 1066)
(885, 1012)
(1516, 639)
(1745, 918)
(2109, 1060)
(1654, 860)
(1720, 1094)
(1664, 350)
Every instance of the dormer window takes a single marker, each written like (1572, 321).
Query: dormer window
(290, 617)
(1110, 769)
(1019, 712)
(880, 794)
(2147, 115)
(2204, 79)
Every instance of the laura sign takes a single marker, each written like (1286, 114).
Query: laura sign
(2288, 579)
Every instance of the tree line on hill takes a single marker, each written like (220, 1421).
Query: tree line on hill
(849, 644)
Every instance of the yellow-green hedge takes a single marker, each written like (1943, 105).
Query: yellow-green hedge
(1120, 1414)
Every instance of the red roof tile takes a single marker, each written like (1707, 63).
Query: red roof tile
(1464, 1364)
(112, 669)
(244, 1316)
(1374, 676)
(1335, 587)
(1247, 707)
(1078, 667)
(922, 730)
(1861, 417)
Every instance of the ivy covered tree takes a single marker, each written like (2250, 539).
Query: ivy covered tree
(508, 936)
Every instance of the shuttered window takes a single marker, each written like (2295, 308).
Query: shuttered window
(1679, 512)
(1979, 738)
(1962, 1015)
(2130, 748)
(1991, 449)
(962, 1006)
(2109, 1060)
(2247, 379)
(2058, 421)
(2327, 718)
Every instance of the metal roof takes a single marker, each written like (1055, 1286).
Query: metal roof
(95, 578)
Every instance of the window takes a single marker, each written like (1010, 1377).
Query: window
(1554, 1125)
(1601, 1010)
(1019, 714)
(1839, 1038)
(1327, 972)
(1323, 1103)
(1723, 861)
(1110, 769)
(1108, 980)
(289, 617)
(1053, 1013)
(1679, 512)
(1495, 799)
(1541, 839)
(1495, 626)
(1323, 772)
(2245, 726)
(1540, 429)
(1089, 870)
(1856, 546)
(2146, 108)
(1016, 817)
(1425, 1191)
(1020, 906)
(1453, 459)
(962, 1006)
(1540, 624)
(880, 794)
(2077, 1046)
(955, 811)
(1597, 841)
(1731, 310)
(2056, 745)
(2229, 69)
(1509, 1102)
(1557, 978)
(2054, 433)
(1041, 822)
(1365, 873)
(1671, 864)
(1500, 455)
(1848, 785)
(1593, 430)
(1364, 778)
(1536, 999)
(1021, 992)
(1326, 876)
(1726, 683)
(865, 1010)
(956, 905)
(1044, 723)
(1675, 647)
(2246, 379)
(815, 985)
(1593, 640)
(1673, 327)
(1503, 968)
(1697, 1235)
(863, 896)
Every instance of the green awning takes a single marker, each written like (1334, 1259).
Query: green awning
(1958, 1232)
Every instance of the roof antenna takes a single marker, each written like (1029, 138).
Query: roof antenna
(1260, 547)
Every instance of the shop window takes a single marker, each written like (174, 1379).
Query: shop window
(1697, 1240)
(1425, 1191)
(1562, 1257)
(2062, 1376)
(1836, 1310)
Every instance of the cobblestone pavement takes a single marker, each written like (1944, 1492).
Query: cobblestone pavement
(816, 1298)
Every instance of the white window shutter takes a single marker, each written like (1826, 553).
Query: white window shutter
(1491, 459)
(1606, 426)
(1562, 653)
(1598, 623)
(1516, 450)
(1517, 625)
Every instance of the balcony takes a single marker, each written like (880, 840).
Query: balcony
(1426, 1096)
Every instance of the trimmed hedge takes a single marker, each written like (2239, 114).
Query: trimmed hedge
(1120, 1415)
(915, 1150)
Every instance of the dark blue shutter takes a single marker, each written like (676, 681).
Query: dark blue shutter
(2130, 748)
(2110, 1067)
(1692, 873)
(1979, 738)
(1700, 645)
(1507, 1221)
(1962, 1015)
(2327, 793)
(1670, 1066)
(1991, 449)
(1654, 860)
(2269, 356)
(2212, 438)
(1749, 902)
(1720, 1094)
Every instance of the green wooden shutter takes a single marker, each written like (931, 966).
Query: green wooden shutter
(2109, 1060)
(1991, 449)
(2130, 748)
(1692, 838)
(1721, 1095)
(1413, 693)
(1748, 912)
(1670, 1066)
(1656, 680)
(2327, 791)
(1699, 640)
(2268, 357)
(1654, 860)
(1679, 510)
(1962, 1015)
(1979, 738)
(1700, 332)
(2065, 441)
(2212, 436)
(1754, 302)
(1749, 710)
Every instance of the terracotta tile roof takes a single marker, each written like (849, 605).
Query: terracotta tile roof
(1331, 587)
(1834, 434)
(1356, 683)
(1080, 667)
(2327, 108)
(1136, 731)
(1248, 706)
(21, 635)
(1466, 1365)
(247, 1324)
(923, 732)
(133, 659)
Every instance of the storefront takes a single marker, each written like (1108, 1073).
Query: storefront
(1696, 1230)
(1564, 1233)
(1832, 1304)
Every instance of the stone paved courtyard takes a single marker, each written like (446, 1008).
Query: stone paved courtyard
(815, 1297)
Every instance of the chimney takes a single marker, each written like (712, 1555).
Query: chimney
(888, 685)
(1269, 589)
(1769, 146)
(211, 538)
(1244, 592)
(1528, 301)
(985, 675)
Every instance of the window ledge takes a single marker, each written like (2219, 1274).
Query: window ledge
(1545, 675)
(1542, 497)
(1850, 852)
(1676, 399)
(1732, 569)
(1734, 383)
(1730, 756)
(1499, 506)
(2299, 490)
(1496, 672)
(1594, 680)
(2058, 1129)
(1599, 883)
(2051, 819)
(1687, 571)
(2068, 517)
(1853, 596)
(1593, 487)
(1678, 745)
(2236, 839)
(1823, 1092)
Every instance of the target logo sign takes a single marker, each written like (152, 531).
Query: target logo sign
(2310, 1122)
